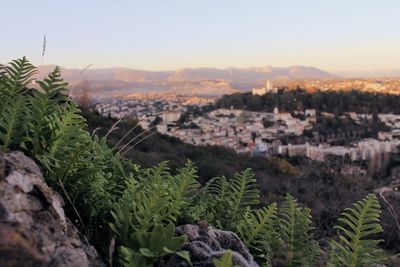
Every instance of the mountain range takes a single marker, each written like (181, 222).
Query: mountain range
(185, 81)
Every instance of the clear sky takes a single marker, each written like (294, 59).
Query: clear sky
(335, 35)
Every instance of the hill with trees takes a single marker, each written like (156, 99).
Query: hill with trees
(336, 102)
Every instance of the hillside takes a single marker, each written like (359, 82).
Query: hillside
(324, 101)
(321, 186)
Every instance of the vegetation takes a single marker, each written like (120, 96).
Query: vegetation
(355, 246)
(335, 102)
(140, 207)
(211, 161)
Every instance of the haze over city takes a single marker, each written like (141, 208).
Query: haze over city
(341, 37)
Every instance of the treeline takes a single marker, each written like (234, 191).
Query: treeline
(325, 101)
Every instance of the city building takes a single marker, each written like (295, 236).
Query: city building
(268, 88)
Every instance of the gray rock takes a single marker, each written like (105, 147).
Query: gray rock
(206, 243)
(2, 165)
(33, 228)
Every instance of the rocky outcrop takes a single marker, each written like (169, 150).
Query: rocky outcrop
(33, 228)
(206, 243)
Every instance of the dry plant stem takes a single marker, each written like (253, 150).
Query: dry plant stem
(147, 136)
(111, 249)
(123, 137)
(133, 139)
(113, 128)
(73, 207)
(392, 212)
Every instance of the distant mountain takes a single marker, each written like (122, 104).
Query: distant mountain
(241, 75)
(246, 75)
(109, 74)
(369, 74)
(185, 81)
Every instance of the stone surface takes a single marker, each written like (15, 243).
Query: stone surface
(2, 165)
(33, 228)
(206, 243)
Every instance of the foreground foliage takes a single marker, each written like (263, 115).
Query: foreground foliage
(140, 208)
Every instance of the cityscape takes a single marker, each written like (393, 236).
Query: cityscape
(250, 133)
(200, 133)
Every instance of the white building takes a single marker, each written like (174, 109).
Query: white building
(162, 128)
(268, 88)
(171, 116)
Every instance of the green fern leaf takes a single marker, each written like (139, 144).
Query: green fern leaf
(225, 261)
(296, 233)
(16, 76)
(354, 246)
(13, 126)
(244, 191)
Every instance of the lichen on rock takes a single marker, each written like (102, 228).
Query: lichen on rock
(34, 230)
(206, 243)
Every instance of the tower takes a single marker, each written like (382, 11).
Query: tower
(268, 86)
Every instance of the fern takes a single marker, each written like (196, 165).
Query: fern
(183, 189)
(16, 76)
(355, 247)
(130, 258)
(14, 109)
(231, 200)
(160, 241)
(295, 232)
(244, 191)
(258, 231)
(44, 105)
(122, 214)
(12, 125)
(149, 199)
(225, 261)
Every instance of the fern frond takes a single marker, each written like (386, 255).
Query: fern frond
(231, 199)
(130, 258)
(225, 261)
(67, 130)
(295, 231)
(218, 187)
(13, 126)
(54, 86)
(16, 76)
(258, 231)
(243, 191)
(258, 226)
(44, 105)
(183, 189)
(354, 246)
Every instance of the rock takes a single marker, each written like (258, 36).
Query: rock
(206, 243)
(33, 228)
(15, 249)
(2, 165)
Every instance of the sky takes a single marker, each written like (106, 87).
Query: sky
(339, 35)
